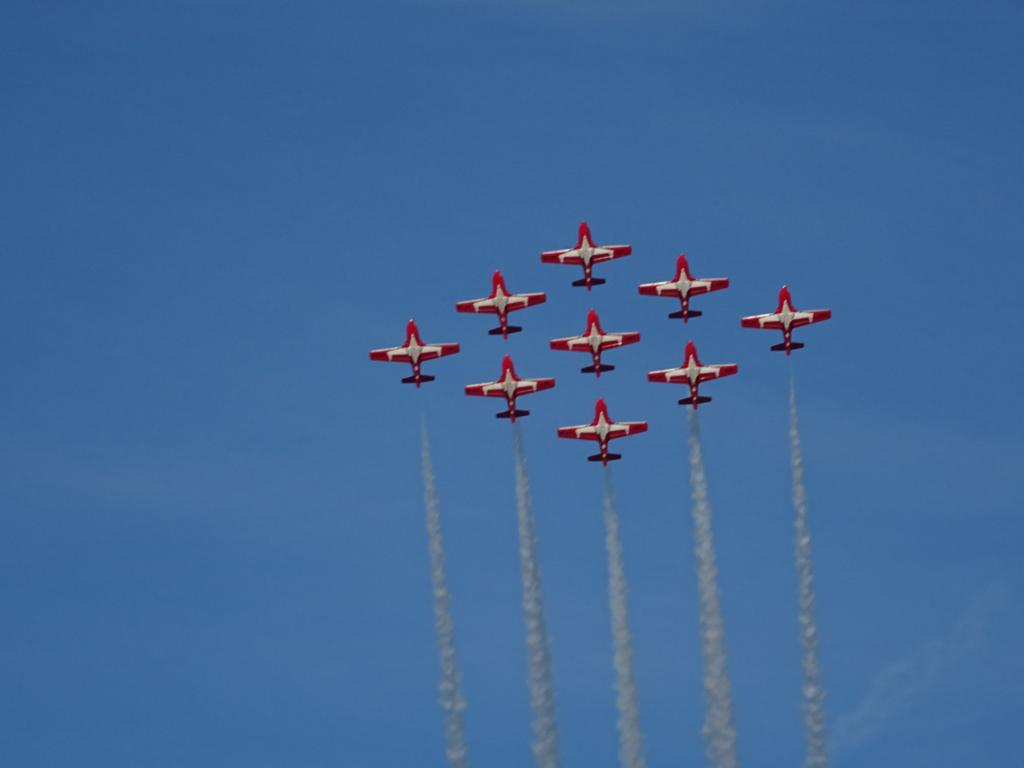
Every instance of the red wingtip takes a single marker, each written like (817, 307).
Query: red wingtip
(682, 267)
(584, 232)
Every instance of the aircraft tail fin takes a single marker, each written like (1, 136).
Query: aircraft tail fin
(679, 314)
(511, 415)
(417, 381)
(605, 459)
(695, 401)
(508, 330)
(783, 348)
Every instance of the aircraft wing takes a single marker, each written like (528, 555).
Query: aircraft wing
(497, 389)
(608, 252)
(696, 287)
(661, 288)
(571, 343)
(613, 340)
(391, 354)
(524, 300)
(564, 256)
(401, 354)
(433, 351)
(582, 343)
(770, 320)
(773, 320)
(488, 305)
(814, 315)
(626, 428)
(616, 429)
(579, 432)
(598, 254)
(678, 375)
(487, 389)
(528, 386)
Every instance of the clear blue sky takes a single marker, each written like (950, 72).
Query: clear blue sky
(212, 548)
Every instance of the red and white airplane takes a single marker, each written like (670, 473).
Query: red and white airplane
(785, 318)
(414, 352)
(694, 373)
(602, 429)
(510, 387)
(586, 254)
(683, 286)
(595, 341)
(500, 303)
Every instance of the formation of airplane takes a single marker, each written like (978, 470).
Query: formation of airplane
(500, 302)
(785, 318)
(414, 352)
(682, 286)
(693, 373)
(595, 341)
(586, 254)
(510, 387)
(602, 429)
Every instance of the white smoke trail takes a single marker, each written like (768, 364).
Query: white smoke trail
(631, 744)
(900, 685)
(719, 730)
(542, 695)
(813, 693)
(451, 698)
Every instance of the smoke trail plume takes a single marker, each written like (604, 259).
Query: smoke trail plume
(719, 730)
(631, 744)
(542, 695)
(451, 698)
(897, 687)
(814, 694)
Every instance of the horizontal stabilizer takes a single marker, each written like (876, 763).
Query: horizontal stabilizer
(593, 281)
(679, 314)
(782, 347)
(499, 332)
(609, 457)
(597, 368)
(700, 400)
(412, 379)
(511, 414)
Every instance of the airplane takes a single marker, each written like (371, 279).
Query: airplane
(602, 429)
(594, 340)
(694, 373)
(586, 254)
(683, 286)
(785, 318)
(414, 352)
(510, 387)
(500, 303)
